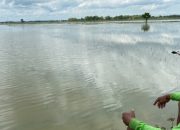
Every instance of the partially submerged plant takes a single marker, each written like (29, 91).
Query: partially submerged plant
(157, 126)
(146, 16)
(163, 128)
(171, 119)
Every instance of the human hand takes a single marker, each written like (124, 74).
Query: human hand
(127, 116)
(161, 101)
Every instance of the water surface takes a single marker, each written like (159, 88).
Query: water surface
(81, 77)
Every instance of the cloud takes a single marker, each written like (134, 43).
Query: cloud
(106, 3)
(25, 2)
(68, 8)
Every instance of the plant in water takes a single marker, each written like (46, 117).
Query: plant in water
(146, 16)
(171, 119)
(163, 128)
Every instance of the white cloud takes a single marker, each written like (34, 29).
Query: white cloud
(69, 8)
(105, 3)
(149, 7)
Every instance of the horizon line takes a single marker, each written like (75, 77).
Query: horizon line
(53, 20)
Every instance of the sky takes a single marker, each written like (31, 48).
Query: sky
(14, 10)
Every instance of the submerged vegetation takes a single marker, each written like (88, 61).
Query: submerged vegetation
(145, 16)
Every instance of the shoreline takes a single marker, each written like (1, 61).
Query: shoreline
(90, 22)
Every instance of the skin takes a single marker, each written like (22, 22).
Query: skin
(126, 117)
(160, 102)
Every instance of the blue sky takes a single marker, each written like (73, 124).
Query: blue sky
(63, 9)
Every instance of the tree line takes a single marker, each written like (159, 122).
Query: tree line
(145, 16)
(106, 18)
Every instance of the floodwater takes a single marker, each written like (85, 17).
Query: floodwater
(82, 77)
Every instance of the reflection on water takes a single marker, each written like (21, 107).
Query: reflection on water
(145, 27)
(81, 77)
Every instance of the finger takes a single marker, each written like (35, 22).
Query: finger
(162, 105)
(157, 100)
(159, 105)
(165, 105)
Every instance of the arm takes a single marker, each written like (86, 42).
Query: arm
(175, 96)
(133, 124)
(161, 101)
(138, 125)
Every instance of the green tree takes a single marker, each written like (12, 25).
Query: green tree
(88, 18)
(146, 16)
(108, 18)
(93, 18)
(72, 19)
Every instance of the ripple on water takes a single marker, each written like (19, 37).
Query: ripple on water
(70, 77)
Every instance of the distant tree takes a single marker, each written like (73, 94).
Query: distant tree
(72, 19)
(146, 16)
(22, 20)
(101, 18)
(108, 18)
(88, 18)
(121, 17)
(117, 18)
(82, 19)
(93, 18)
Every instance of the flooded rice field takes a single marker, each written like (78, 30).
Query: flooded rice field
(82, 77)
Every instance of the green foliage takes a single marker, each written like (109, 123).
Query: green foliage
(73, 19)
(171, 119)
(108, 18)
(146, 16)
(93, 18)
